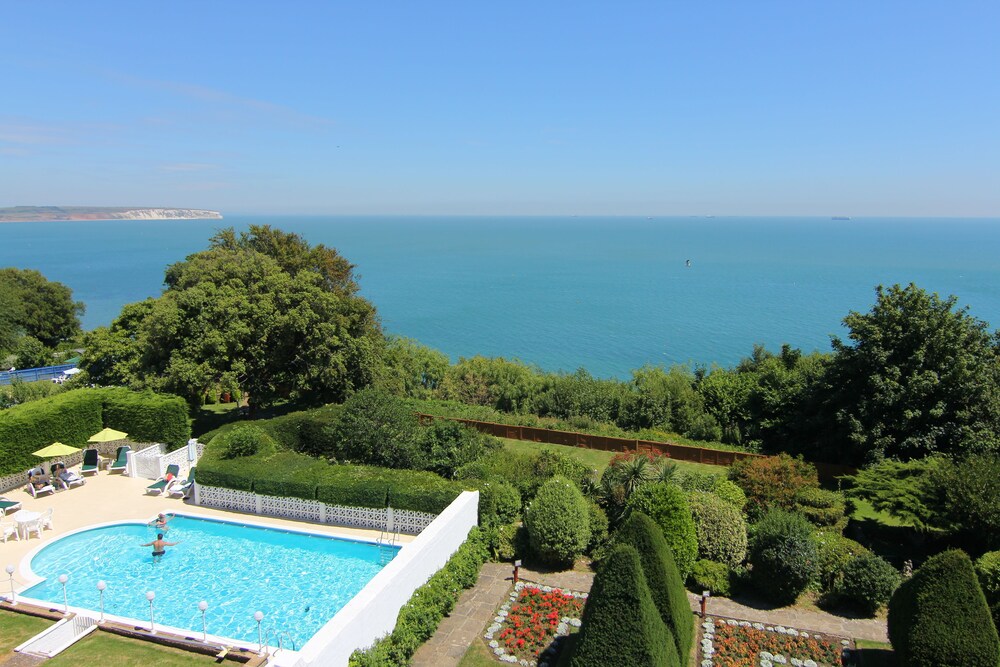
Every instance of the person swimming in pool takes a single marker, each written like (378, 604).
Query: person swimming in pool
(161, 522)
(160, 546)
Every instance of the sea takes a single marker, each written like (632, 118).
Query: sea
(607, 294)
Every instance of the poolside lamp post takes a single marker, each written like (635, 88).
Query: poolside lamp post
(259, 616)
(100, 589)
(704, 602)
(517, 567)
(63, 578)
(152, 627)
(204, 629)
(10, 574)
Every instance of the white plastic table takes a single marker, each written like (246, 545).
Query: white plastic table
(24, 519)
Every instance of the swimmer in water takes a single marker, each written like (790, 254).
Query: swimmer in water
(160, 546)
(161, 522)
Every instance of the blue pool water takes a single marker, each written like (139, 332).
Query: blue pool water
(299, 581)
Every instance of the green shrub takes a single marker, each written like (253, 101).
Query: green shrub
(621, 626)
(821, 507)
(499, 503)
(525, 470)
(448, 445)
(376, 428)
(506, 542)
(147, 417)
(939, 616)
(721, 529)
(598, 527)
(708, 575)
(783, 556)
(70, 418)
(668, 506)
(665, 584)
(730, 492)
(558, 522)
(988, 572)
(246, 440)
(420, 617)
(772, 481)
(869, 581)
(834, 552)
(693, 480)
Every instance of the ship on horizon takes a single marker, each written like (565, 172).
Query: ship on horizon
(841, 217)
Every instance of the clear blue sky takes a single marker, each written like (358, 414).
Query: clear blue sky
(633, 108)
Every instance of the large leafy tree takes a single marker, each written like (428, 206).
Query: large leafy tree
(34, 306)
(262, 311)
(919, 376)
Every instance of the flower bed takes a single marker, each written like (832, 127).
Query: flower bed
(730, 643)
(529, 626)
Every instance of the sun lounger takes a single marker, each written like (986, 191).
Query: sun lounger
(91, 462)
(36, 477)
(121, 459)
(7, 505)
(182, 488)
(161, 484)
(64, 477)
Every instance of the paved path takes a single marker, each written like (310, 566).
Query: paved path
(800, 619)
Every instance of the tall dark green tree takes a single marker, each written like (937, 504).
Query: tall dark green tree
(37, 307)
(919, 376)
(262, 311)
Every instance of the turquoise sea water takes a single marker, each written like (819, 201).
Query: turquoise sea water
(607, 294)
(298, 581)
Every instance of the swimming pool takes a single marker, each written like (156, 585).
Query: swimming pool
(298, 580)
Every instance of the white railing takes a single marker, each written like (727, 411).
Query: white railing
(309, 510)
(59, 637)
(152, 462)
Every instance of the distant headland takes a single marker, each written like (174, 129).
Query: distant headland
(53, 213)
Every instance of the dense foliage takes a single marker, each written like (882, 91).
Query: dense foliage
(939, 617)
(834, 553)
(72, 417)
(419, 618)
(665, 584)
(31, 306)
(527, 471)
(710, 576)
(823, 508)
(558, 522)
(772, 482)
(375, 428)
(625, 474)
(499, 503)
(783, 556)
(262, 311)
(721, 529)
(668, 507)
(869, 581)
(621, 626)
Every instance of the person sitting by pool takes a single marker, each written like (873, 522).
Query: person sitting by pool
(38, 481)
(161, 522)
(160, 546)
(68, 476)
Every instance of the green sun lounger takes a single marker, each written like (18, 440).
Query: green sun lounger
(90, 462)
(121, 459)
(182, 489)
(8, 505)
(159, 485)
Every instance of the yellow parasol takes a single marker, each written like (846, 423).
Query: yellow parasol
(56, 449)
(108, 435)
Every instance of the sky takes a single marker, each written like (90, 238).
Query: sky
(515, 108)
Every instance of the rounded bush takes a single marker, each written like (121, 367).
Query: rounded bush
(730, 492)
(783, 556)
(558, 522)
(246, 440)
(598, 526)
(835, 552)
(869, 581)
(668, 507)
(708, 575)
(821, 507)
(499, 503)
(721, 529)
(772, 481)
(939, 616)
(988, 572)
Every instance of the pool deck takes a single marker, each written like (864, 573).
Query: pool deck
(114, 497)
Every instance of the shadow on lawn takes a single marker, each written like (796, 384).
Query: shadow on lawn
(875, 657)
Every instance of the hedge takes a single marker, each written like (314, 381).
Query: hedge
(664, 581)
(621, 626)
(72, 417)
(296, 475)
(939, 616)
(305, 431)
(419, 618)
(667, 505)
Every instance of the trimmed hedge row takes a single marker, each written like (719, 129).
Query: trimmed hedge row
(305, 431)
(72, 417)
(419, 618)
(282, 473)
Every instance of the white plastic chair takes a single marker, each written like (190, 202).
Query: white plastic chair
(8, 528)
(33, 527)
(46, 520)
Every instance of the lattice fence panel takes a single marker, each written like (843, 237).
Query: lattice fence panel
(227, 499)
(291, 508)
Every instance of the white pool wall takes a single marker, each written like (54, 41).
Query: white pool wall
(372, 613)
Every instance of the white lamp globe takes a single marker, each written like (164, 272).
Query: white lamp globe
(202, 605)
(258, 616)
(9, 569)
(150, 595)
(101, 585)
(63, 578)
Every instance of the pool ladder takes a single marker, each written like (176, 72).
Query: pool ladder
(387, 539)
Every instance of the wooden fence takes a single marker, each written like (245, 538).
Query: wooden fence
(714, 457)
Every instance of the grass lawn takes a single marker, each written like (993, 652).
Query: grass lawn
(875, 654)
(864, 510)
(478, 655)
(107, 650)
(17, 628)
(595, 458)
